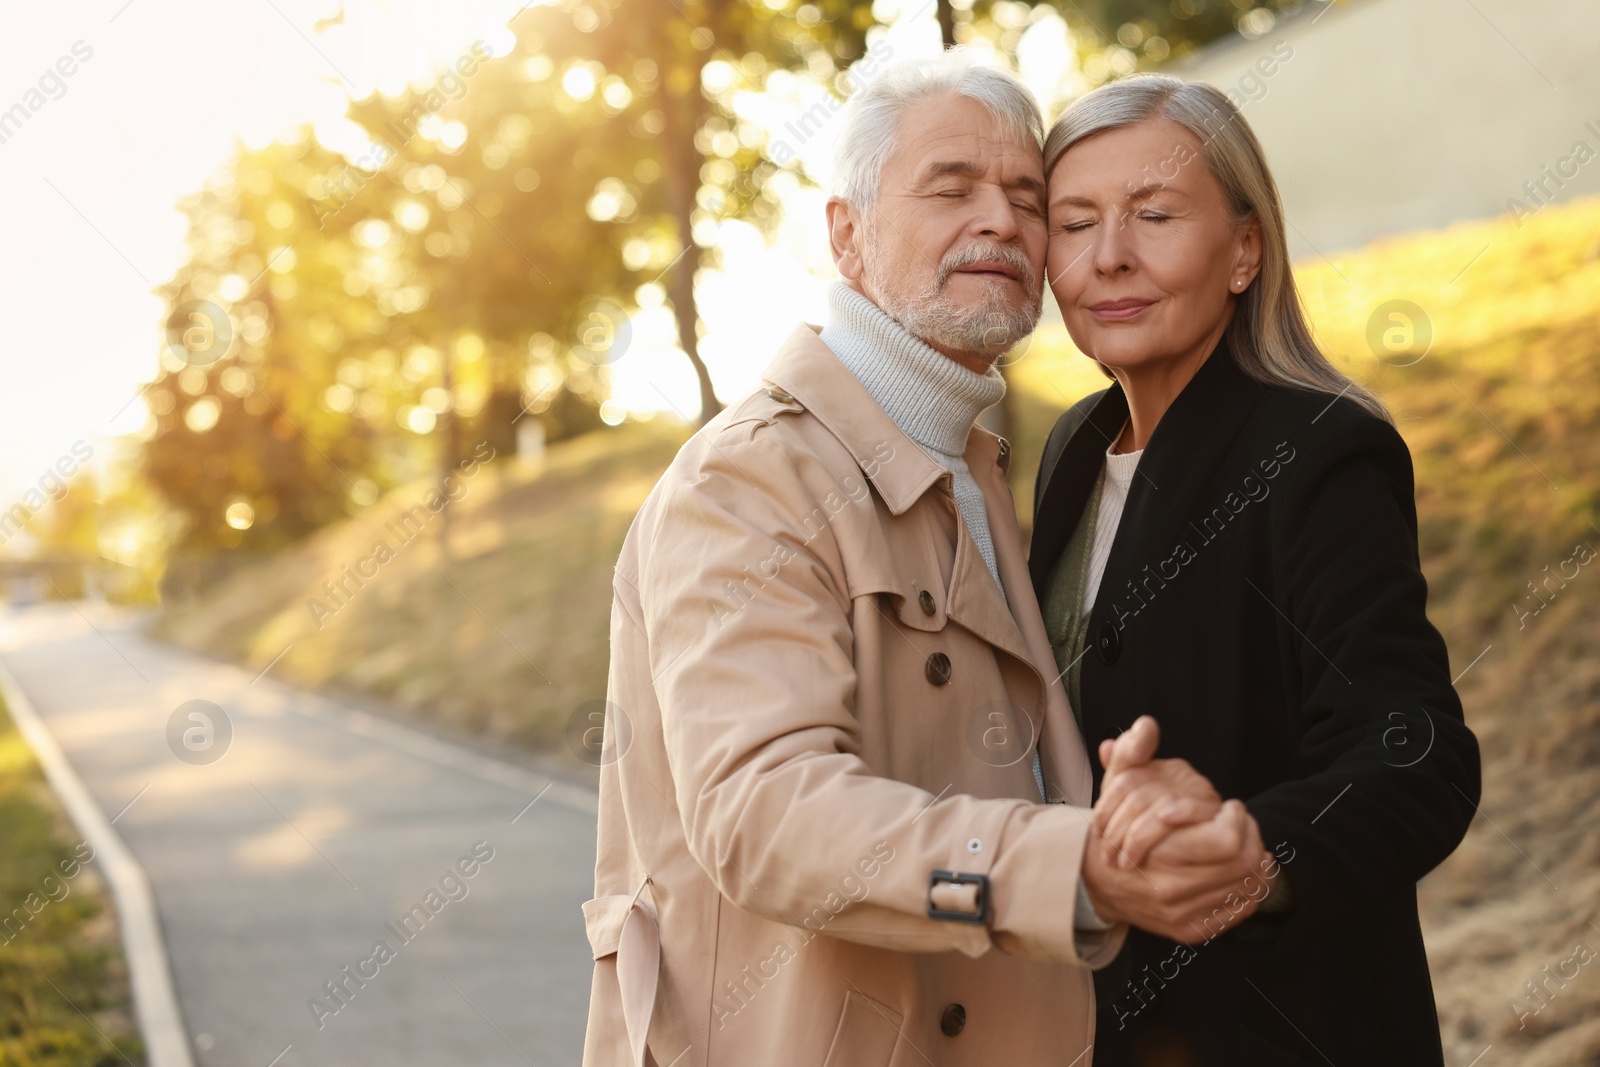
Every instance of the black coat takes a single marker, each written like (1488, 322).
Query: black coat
(1264, 602)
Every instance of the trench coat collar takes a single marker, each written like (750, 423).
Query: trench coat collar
(807, 370)
(1189, 442)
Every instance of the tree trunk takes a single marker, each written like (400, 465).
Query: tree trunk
(947, 24)
(685, 111)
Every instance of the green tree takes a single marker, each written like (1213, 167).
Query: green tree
(342, 322)
(1116, 37)
(677, 70)
(248, 404)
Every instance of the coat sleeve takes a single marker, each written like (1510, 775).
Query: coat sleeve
(1390, 770)
(749, 626)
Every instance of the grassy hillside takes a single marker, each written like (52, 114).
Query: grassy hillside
(63, 983)
(502, 637)
(1503, 418)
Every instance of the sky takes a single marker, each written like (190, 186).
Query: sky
(159, 96)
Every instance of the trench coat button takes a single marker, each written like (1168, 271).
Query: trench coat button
(938, 668)
(925, 599)
(1108, 645)
(952, 1020)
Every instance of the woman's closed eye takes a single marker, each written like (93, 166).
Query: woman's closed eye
(1078, 225)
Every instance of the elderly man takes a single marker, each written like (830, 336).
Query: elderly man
(844, 804)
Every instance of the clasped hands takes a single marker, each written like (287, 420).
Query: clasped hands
(1167, 854)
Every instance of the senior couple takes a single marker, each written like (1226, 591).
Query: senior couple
(898, 790)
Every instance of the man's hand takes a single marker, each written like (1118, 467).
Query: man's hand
(1199, 881)
(1142, 799)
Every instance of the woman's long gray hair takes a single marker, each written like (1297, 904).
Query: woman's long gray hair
(1268, 335)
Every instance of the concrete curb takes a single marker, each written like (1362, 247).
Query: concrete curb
(150, 975)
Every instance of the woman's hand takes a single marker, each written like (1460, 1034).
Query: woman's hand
(1142, 800)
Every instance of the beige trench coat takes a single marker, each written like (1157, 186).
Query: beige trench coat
(818, 698)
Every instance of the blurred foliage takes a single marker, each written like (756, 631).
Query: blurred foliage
(1141, 33)
(292, 419)
(1117, 37)
(60, 966)
(474, 259)
(678, 78)
(475, 263)
(71, 525)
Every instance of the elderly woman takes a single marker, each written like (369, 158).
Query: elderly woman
(1225, 539)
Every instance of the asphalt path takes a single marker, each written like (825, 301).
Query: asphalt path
(286, 836)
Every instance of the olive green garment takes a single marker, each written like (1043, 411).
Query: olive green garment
(1064, 618)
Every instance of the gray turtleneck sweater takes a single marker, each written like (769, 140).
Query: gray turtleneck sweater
(931, 397)
(934, 400)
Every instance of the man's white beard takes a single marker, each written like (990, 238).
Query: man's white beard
(990, 328)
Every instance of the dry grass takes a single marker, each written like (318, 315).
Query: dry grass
(503, 638)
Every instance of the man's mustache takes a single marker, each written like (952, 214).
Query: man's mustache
(967, 255)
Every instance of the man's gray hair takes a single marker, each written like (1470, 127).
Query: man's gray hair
(873, 114)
